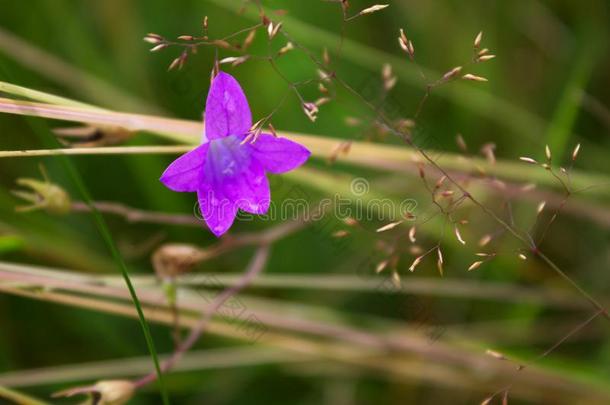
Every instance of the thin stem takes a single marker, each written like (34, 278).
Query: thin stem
(135, 215)
(254, 268)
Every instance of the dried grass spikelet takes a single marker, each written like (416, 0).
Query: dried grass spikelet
(485, 58)
(234, 60)
(311, 110)
(528, 160)
(286, 48)
(325, 57)
(349, 221)
(488, 150)
(485, 239)
(412, 231)
(205, 25)
(342, 148)
(451, 74)
(474, 78)
(415, 263)
(381, 266)
(540, 207)
(396, 278)
(254, 132)
(179, 62)
(171, 260)
(221, 43)
(159, 47)
(272, 129)
(153, 38)
(389, 79)
(249, 40)
(495, 354)
(458, 235)
(43, 195)
(406, 44)
(487, 401)
(475, 265)
(389, 226)
(273, 29)
(321, 101)
(477, 40)
(105, 392)
(373, 9)
(340, 234)
(420, 171)
(461, 143)
(575, 152)
(440, 261)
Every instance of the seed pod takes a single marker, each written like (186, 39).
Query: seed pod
(108, 392)
(171, 260)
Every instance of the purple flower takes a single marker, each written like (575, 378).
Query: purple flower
(225, 173)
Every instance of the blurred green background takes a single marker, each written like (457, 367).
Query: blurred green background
(548, 85)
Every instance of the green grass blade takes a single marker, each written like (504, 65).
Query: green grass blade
(44, 134)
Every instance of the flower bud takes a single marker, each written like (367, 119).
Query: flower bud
(171, 260)
(109, 392)
(44, 195)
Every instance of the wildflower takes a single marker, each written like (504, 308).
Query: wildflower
(226, 173)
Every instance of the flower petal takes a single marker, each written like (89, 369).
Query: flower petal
(278, 155)
(186, 173)
(240, 176)
(252, 189)
(226, 109)
(217, 210)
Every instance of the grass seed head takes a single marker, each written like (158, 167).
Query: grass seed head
(458, 235)
(389, 226)
(474, 78)
(373, 9)
(475, 265)
(412, 234)
(417, 260)
(575, 152)
(528, 160)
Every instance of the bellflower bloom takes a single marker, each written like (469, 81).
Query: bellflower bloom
(226, 174)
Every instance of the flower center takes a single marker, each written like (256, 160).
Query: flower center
(227, 155)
